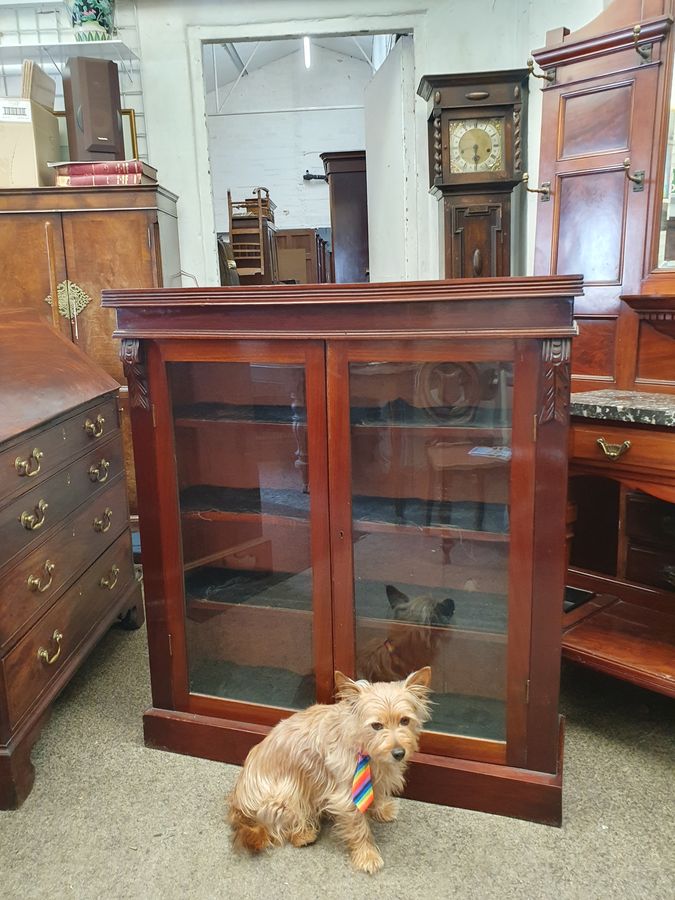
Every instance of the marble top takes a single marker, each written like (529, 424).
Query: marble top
(640, 407)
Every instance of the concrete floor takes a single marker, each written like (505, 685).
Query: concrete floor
(109, 818)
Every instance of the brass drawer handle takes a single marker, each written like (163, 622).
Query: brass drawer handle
(104, 523)
(95, 429)
(30, 466)
(43, 655)
(36, 519)
(35, 582)
(109, 581)
(100, 472)
(613, 451)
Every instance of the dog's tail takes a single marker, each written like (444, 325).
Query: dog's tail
(248, 834)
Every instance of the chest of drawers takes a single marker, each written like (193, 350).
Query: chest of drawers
(66, 570)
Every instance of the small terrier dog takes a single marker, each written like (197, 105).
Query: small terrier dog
(345, 760)
(405, 648)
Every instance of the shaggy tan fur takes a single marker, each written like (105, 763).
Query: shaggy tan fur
(304, 768)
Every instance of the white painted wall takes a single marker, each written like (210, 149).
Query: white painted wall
(251, 145)
(389, 108)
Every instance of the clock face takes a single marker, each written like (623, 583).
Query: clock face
(476, 145)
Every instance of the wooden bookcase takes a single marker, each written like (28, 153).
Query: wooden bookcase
(307, 455)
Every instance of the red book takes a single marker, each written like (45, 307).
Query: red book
(106, 167)
(102, 180)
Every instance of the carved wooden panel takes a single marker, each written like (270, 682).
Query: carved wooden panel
(594, 348)
(556, 387)
(656, 358)
(596, 121)
(134, 369)
(599, 111)
(477, 238)
(591, 225)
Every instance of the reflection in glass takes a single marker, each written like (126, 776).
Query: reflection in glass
(666, 258)
(431, 450)
(241, 452)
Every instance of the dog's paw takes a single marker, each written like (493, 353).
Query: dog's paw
(387, 811)
(367, 858)
(305, 837)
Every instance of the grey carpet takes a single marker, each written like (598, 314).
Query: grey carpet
(110, 819)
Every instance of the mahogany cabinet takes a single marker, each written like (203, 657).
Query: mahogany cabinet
(362, 477)
(104, 236)
(66, 571)
(348, 195)
(608, 135)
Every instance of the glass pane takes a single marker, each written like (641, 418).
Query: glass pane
(666, 258)
(431, 450)
(241, 453)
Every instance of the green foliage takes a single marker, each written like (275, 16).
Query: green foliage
(92, 11)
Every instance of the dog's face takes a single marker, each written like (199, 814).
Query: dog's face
(422, 610)
(390, 715)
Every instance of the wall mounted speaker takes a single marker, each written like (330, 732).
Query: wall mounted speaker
(93, 111)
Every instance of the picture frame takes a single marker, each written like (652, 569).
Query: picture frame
(128, 129)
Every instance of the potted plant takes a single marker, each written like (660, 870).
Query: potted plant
(92, 19)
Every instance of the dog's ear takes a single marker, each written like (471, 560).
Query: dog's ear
(395, 597)
(419, 685)
(447, 607)
(345, 688)
(419, 682)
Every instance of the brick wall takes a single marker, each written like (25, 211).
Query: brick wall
(252, 143)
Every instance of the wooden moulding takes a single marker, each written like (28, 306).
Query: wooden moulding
(482, 786)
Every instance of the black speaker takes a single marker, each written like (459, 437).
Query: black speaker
(93, 112)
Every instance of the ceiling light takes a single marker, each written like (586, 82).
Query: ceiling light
(308, 58)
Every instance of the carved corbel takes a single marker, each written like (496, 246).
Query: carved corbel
(556, 383)
(131, 355)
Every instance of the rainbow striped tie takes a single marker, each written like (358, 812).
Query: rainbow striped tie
(362, 785)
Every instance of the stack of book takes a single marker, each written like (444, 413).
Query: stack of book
(117, 172)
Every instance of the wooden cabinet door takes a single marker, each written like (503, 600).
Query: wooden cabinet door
(477, 231)
(429, 557)
(239, 437)
(106, 249)
(599, 113)
(25, 263)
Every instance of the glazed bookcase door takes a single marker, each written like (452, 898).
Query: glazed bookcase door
(248, 426)
(425, 566)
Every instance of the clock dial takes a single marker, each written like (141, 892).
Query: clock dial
(476, 145)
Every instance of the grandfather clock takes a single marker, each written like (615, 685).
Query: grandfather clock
(477, 136)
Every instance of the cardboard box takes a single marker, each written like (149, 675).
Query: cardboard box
(29, 139)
